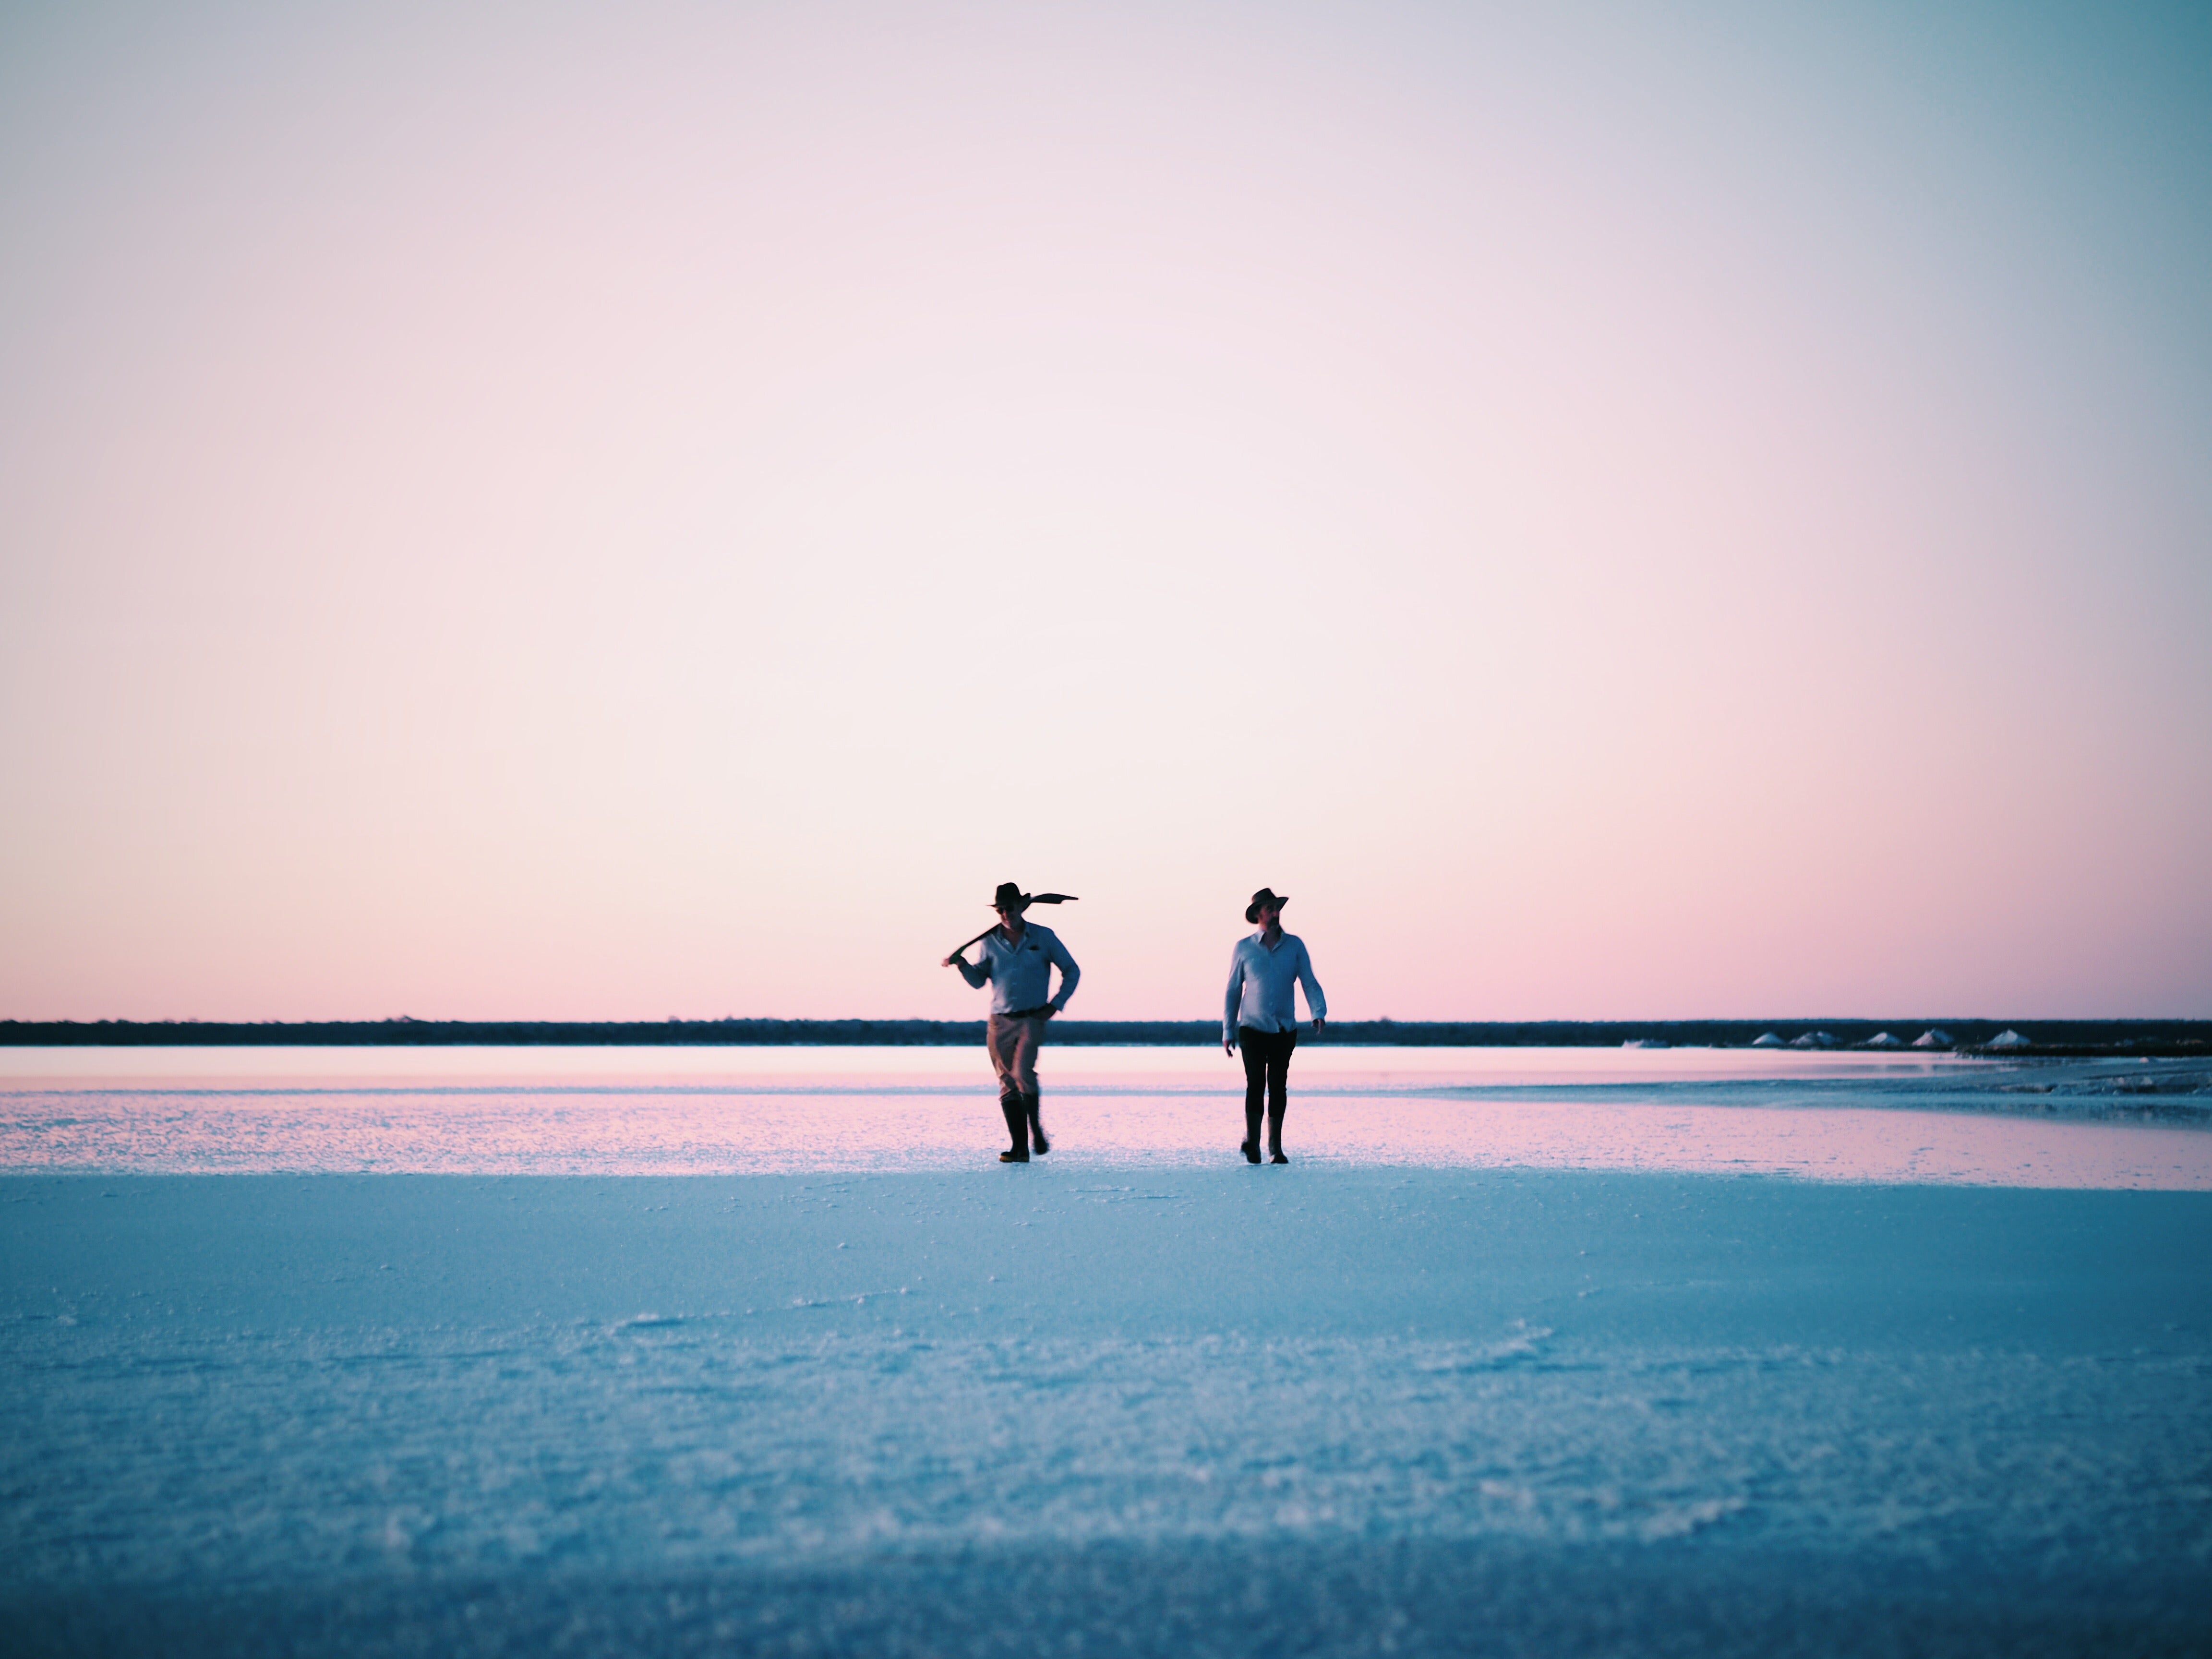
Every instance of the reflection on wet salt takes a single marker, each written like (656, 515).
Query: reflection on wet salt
(1318, 1063)
(632, 1111)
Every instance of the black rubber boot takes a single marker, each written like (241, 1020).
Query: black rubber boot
(1031, 1103)
(1018, 1129)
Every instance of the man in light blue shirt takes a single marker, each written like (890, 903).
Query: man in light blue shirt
(1019, 959)
(1262, 1013)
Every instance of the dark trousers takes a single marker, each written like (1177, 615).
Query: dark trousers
(1267, 1075)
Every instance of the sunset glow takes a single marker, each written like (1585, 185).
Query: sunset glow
(572, 514)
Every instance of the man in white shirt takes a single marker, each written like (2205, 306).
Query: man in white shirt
(1019, 959)
(1261, 1013)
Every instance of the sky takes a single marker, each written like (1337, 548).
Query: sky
(532, 511)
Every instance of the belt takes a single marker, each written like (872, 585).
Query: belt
(1027, 1013)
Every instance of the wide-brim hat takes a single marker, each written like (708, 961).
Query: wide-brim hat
(1009, 896)
(1265, 895)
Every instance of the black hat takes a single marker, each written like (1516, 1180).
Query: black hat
(1265, 895)
(1009, 896)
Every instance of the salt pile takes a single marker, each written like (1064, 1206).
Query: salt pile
(1934, 1038)
(1766, 1040)
(1881, 1040)
(2008, 1038)
(1815, 1040)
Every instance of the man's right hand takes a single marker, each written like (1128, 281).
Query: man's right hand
(948, 962)
(1228, 1046)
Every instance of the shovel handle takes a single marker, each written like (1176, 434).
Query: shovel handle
(1035, 898)
(958, 949)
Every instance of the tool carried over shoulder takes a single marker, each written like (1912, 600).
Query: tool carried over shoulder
(1027, 899)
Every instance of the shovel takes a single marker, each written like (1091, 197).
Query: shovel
(1035, 898)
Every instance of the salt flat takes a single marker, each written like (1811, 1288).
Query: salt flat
(1077, 1408)
(1835, 1116)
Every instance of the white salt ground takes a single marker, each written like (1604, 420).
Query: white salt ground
(1097, 1404)
(1854, 1117)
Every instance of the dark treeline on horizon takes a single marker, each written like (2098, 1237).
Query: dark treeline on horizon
(2045, 1036)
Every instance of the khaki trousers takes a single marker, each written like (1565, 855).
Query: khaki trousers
(1013, 1046)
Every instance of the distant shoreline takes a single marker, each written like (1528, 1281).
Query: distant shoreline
(2044, 1036)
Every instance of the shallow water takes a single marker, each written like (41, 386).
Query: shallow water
(1083, 1065)
(1880, 1118)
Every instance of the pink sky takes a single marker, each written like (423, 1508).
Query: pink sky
(570, 514)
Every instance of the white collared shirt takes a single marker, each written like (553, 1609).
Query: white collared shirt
(1020, 973)
(1261, 985)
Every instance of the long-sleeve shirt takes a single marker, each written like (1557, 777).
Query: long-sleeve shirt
(1020, 973)
(1261, 985)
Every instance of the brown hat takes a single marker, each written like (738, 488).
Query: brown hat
(1265, 895)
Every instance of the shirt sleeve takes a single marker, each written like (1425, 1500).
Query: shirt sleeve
(977, 974)
(1317, 1003)
(1235, 996)
(1069, 973)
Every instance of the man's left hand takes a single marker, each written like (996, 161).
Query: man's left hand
(1319, 1021)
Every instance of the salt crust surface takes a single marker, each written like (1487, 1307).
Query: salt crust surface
(596, 1112)
(1562, 1411)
